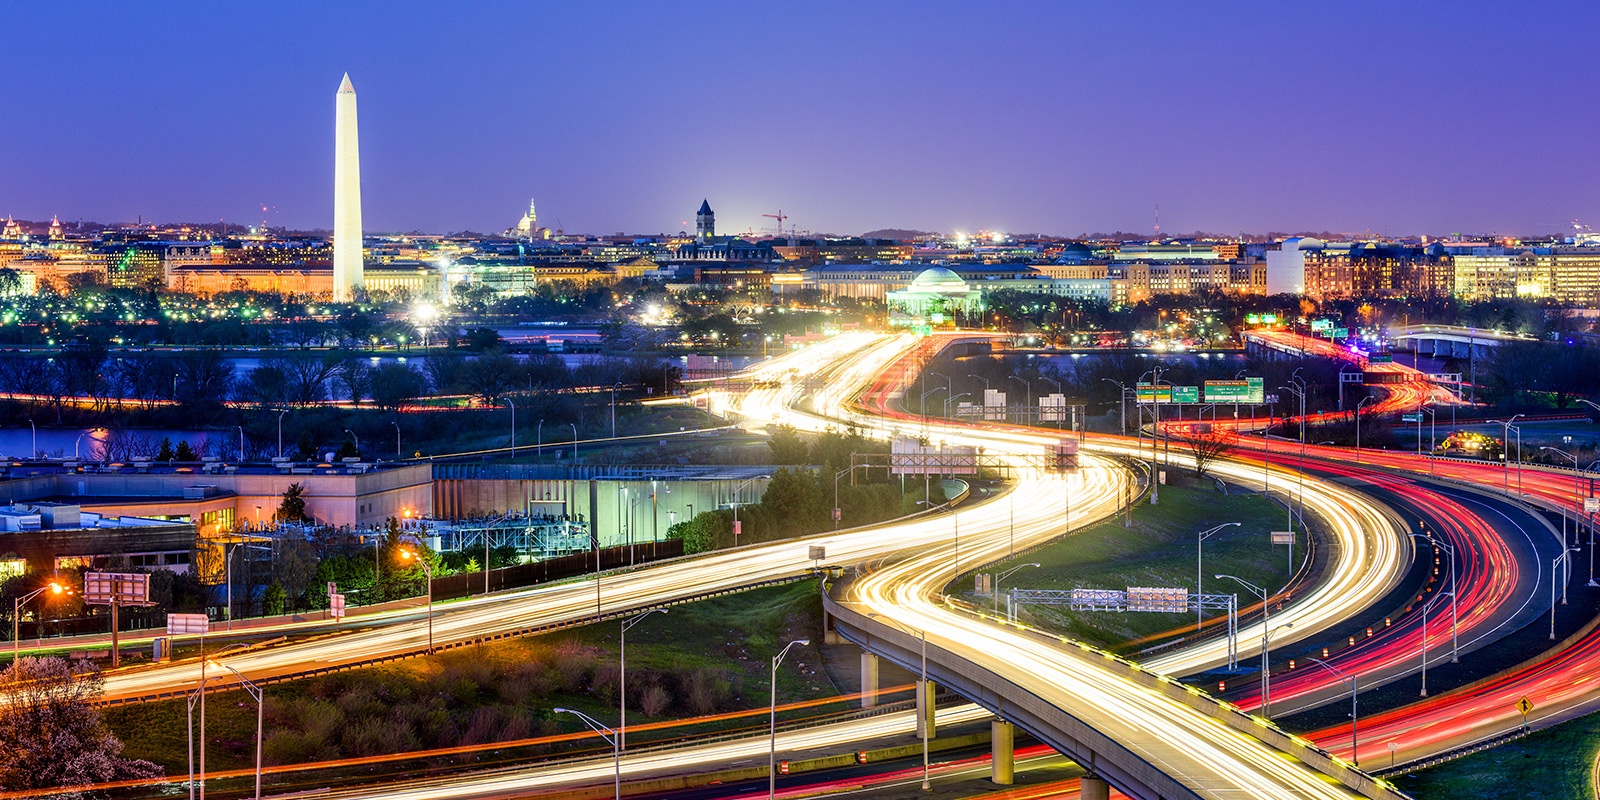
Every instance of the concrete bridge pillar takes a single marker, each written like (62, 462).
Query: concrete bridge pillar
(927, 727)
(1002, 740)
(869, 680)
(1093, 788)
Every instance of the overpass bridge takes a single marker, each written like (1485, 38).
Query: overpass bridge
(1145, 734)
(1451, 341)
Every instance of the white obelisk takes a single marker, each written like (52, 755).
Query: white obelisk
(347, 264)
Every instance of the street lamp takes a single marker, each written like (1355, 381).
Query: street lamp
(1355, 754)
(924, 710)
(280, 431)
(255, 692)
(1266, 681)
(1566, 556)
(538, 439)
(994, 594)
(16, 615)
(949, 400)
(1577, 488)
(1505, 452)
(1122, 403)
(1359, 406)
(614, 739)
(411, 555)
(574, 441)
(772, 741)
(34, 429)
(200, 694)
(622, 673)
(513, 405)
(1027, 383)
(1454, 641)
(614, 410)
(396, 425)
(1199, 549)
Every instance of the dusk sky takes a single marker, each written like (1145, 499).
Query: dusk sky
(1055, 117)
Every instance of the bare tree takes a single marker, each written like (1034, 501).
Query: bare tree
(51, 733)
(1207, 444)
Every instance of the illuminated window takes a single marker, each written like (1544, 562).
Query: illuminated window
(12, 567)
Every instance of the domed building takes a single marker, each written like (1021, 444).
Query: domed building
(937, 297)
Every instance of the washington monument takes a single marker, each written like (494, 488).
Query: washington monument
(347, 265)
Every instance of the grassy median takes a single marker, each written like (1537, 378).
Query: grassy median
(1158, 550)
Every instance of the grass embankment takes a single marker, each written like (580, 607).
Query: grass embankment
(1552, 764)
(699, 658)
(1158, 550)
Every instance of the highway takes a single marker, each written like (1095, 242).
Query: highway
(1096, 491)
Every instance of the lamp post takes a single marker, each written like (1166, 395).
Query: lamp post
(1505, 452)
(1455, 650)
(614, 739)
(35, 431)
(241, 441)
(772, 741)
(622, 673)
(255, 692)
(574, 441)
(1360, 406)
(994, 594)
(281, 412)
(397, 451)
(1577, 488)
(922, 401)
(411, 555)
(538, 439)
(949, 400)
(1566, 556)
(201, 692)
(1266, 681)
(16, 615)
(1199, 550)
(614, 410)
(1122, 403)
(1355, 754)
(1029, 384)
(513, 405)
(924, 714)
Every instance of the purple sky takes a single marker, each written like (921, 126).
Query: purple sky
(1056, 117)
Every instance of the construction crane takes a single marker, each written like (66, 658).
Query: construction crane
(780, 217)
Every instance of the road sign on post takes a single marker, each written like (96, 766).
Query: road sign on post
(184, 624)
(336, 606)
(1283, 537)
(116, 589)
(1409, 418)
(1591, 505)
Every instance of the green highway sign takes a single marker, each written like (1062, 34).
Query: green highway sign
(1411, 418)
(1320, 324)
(1147, 393)
(1341, 333)
(1380, 358)
(1251, 391)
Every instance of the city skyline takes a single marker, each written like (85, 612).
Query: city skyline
(1062, 121)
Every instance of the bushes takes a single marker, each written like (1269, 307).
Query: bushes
(470, 697)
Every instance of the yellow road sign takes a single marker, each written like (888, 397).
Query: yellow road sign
(1524, 705)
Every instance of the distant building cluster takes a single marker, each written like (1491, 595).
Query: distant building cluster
(1566, 272)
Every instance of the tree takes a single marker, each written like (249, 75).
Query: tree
(51, 733)
(355, 375)
(490, 376)
(787, 446)
(293, 506)
(1207, 444)
(394, 385)
(165, 453)
(184, 452)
